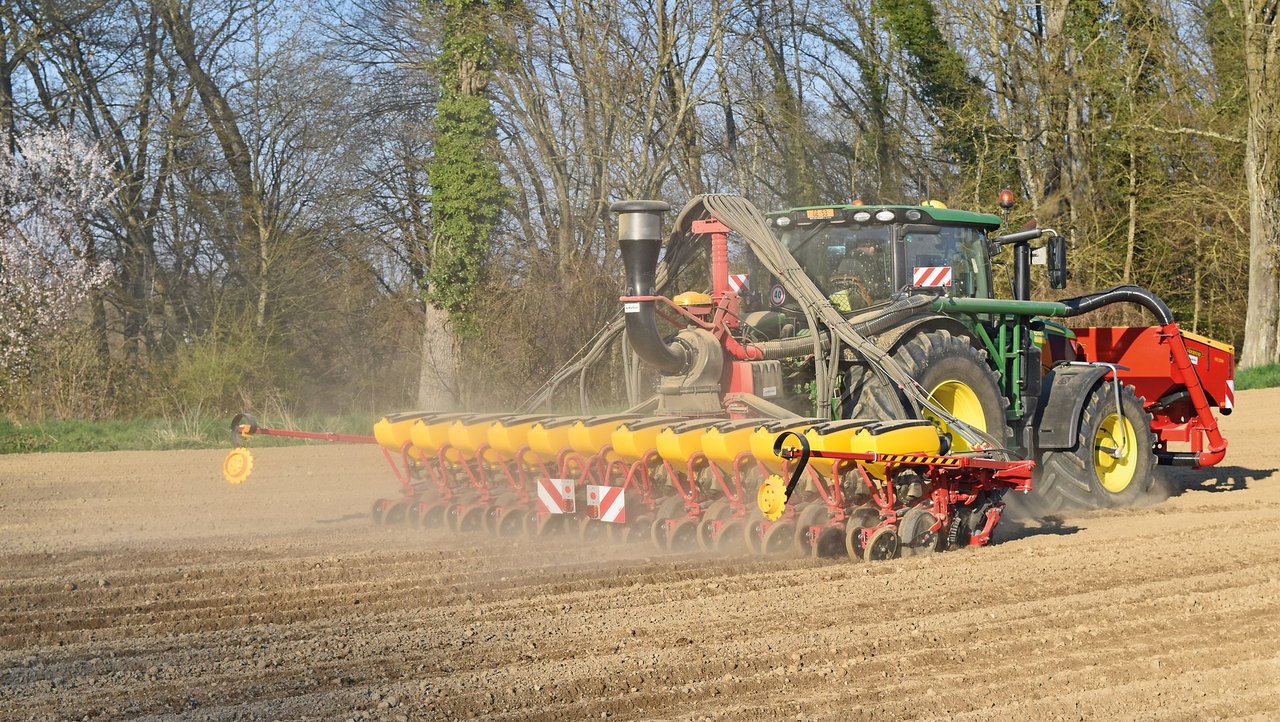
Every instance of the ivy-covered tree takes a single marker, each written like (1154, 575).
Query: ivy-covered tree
(466, 186)
(949, 91)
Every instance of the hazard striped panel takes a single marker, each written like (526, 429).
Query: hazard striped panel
(555, 496)
(607, 503)
(738, 282)
(1229, 401)
(931, 276)
(921, 459)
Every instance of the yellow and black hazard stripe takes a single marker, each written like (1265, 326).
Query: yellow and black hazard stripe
(921, 459)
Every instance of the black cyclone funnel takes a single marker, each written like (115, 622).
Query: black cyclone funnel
(640, 238)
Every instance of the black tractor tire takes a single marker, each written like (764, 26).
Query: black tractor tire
(931, 358)
(1077, 478)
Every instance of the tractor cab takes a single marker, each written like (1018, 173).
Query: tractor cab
(859, 256)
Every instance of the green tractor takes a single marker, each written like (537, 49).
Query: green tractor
(1096, 407)
(892, 312)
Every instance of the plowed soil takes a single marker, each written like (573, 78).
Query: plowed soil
(142, 585)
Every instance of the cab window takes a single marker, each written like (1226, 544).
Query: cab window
(957, 247)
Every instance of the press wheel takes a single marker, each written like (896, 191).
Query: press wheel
(683, 536)
(511, 521)
(813, 514)
(778, 538)
(915, 535)
(378, 513)
(731, 537)
(883, 544)
(830, 543)
(470, 518)
(432, 514)
(591, 531)
(863, 517)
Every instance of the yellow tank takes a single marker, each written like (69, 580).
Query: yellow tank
(469, 434)
(834, 436)
(549, 437)
(677, 444)
(393, 431)
(723, 442)
(763, 436)
(913, 436)
(633, 439)
(590, 435)
(508, 435)
(432, 432)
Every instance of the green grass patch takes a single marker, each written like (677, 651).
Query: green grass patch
(1258, 377)
(17, 437)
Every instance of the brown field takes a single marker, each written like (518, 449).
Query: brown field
(142, 585)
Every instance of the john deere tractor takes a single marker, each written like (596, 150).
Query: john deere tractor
(893, 312)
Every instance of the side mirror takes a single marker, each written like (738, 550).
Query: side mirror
(1058, 262)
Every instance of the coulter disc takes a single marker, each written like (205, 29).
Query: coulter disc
(632, 531)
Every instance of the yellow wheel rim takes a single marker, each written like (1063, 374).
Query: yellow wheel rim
(772, 497)
(961, 401)
(237, 466)
(1115, 433)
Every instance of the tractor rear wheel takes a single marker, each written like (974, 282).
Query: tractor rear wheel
(1112, 463)
(951, 370)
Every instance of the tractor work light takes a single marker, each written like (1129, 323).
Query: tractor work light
(862, 216)
(884, 216)
(783, 221)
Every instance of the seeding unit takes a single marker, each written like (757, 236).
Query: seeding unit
(851, 387)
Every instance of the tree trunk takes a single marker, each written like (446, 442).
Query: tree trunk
(1262, 174)
(438, 375)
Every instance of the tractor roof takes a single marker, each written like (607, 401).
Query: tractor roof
(928, 214)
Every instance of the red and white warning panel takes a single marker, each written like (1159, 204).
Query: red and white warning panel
(738, 282)
(931, 276)
(606, 503)
(555, 496)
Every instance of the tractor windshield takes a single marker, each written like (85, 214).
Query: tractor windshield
(952, 256)
(853, 267)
